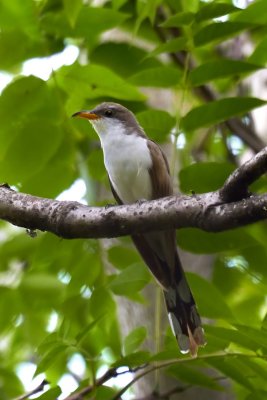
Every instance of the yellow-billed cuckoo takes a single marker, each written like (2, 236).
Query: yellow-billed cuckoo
(138, 169)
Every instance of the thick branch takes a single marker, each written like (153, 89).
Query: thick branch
(74, 220)
(228, 208)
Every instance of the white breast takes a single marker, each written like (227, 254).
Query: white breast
(127, 160)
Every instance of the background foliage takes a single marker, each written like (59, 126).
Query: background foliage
(58, 297)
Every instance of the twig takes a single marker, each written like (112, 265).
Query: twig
(179, 361)
(236, 186)
(39, 388)
(111, 373)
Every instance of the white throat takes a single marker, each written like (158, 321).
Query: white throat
(127, 160)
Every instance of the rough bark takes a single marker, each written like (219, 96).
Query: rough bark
(230, 207)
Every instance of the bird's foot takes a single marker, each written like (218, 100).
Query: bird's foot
(141, 201)
(107, 206)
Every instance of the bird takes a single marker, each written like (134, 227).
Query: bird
(138, 170)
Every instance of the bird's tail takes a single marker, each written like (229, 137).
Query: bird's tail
(183, 315)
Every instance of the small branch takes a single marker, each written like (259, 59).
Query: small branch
(111, 373)
(169, 363)
(39, 388)
(236, 186)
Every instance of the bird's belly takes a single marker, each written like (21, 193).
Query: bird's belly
(128, 161)
(130, 181)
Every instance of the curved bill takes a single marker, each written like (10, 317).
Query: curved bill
(86, 115)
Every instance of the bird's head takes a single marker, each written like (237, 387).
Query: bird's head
(108, 117)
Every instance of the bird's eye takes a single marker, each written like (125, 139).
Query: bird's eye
(108, 113)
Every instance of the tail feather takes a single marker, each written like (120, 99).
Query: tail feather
(184, 320)
(182, 311)
(183, 314)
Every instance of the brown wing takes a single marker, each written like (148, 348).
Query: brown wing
(115, 195)
(160, 172)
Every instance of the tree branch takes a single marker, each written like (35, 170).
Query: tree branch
(38, 389)
(228, 208)
(111, 373)
(236, 186)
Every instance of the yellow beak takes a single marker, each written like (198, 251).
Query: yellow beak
(86, 115)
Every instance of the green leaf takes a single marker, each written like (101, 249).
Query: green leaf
(232, 336)
(118, 3)
(220, 69)
(131, 280)
(101, 304)
(218, 31)
(49, 342)
(72, 9)
(255, 13)
(51, 394)
(32, 147)
(23, 17)
(94, 81)
(121, 257)
(133, 360)
(135, 338)
(104, 393)
(255, 256)
(259, 55)
(50, 357)
(254, 334)
(146, 10)
(259, 395)
(233, 368)
(182, 18)
(192, 376)
(164, 355)
(42, 283)
(80, 337)
(110, 55)
(156, 123)
(31, 98)
(25, 48)
(219, 111)
(91, 21)
(200, 242)
(204, 177)
(214, 10)
(258, 366)
(172, 46)
(11, 386)
(57, 174)
(157, 77)
(210, 301)
(10, 313)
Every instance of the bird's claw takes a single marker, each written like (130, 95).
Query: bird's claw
(141, 201)
(107, 206)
